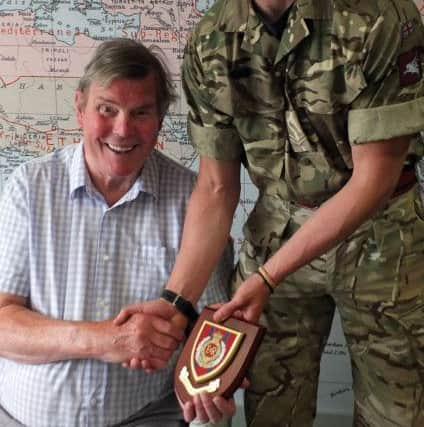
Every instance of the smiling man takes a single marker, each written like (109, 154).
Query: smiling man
(86, 231)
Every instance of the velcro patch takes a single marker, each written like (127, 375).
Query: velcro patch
(409, 67)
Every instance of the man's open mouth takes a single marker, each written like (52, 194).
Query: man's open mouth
(119, 148)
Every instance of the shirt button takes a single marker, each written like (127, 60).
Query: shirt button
(106, 258)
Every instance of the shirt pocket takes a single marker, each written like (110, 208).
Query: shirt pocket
(151, 267)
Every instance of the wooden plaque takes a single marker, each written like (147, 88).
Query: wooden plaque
(216, 356)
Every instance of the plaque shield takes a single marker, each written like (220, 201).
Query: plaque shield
(214, 348)
(216, 356)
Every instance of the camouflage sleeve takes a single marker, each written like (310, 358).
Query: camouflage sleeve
(210, 130)
(392, 103)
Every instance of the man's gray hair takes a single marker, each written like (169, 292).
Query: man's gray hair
(128, 59)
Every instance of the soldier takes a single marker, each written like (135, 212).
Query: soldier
(322, 102)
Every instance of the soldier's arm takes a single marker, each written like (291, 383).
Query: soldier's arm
(207, 226)
(376, 170)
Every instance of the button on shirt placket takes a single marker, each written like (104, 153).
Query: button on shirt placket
(104, 265)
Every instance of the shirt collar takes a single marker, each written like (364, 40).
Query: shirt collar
(300, 12)
(147, 182)
(315, 9)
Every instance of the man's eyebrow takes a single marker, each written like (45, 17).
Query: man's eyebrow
(102, 98)
(148, 105)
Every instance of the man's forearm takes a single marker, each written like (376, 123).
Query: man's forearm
(29, 337)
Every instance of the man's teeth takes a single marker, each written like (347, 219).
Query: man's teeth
(119, 148)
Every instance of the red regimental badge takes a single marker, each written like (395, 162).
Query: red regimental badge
(214, 348)
(409, 67)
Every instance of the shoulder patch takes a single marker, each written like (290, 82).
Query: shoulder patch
(409, 67)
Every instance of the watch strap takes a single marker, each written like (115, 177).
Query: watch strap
(184, 306)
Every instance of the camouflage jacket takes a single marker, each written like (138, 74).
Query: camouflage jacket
(344, 72)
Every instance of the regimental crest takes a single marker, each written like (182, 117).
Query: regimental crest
(214, 348)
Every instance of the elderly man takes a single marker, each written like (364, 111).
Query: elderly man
(85, 231)
(322, 102)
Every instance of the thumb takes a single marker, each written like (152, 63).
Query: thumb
(226, 310)
(126, 313)
(161, 308)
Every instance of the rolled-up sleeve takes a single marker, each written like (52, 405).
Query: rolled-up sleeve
(392, 103)
(210, 128)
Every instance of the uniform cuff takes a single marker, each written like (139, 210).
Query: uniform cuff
(217, 143)
(386, 122)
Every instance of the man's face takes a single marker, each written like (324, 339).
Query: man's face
(120, 125)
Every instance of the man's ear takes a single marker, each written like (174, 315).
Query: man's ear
(79, 104)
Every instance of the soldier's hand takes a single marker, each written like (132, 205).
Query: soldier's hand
(156, 307)
(247, 303)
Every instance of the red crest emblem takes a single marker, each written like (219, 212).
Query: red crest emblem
(214, 348)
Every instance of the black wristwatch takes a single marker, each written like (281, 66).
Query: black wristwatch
(181, 304)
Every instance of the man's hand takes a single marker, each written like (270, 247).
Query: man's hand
(205, 409)
(247, 303)
(141, 337)
(168, 313)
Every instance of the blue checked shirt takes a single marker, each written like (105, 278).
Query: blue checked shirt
(76, 258)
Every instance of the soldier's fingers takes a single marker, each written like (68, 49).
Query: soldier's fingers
(135, 364)
(155, 352)
(127, 312)
(164, 342)
(226, 310)
(153, 364)
(217, 305)
(168, 328)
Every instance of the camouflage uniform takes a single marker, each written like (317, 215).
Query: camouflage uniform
(344, 73)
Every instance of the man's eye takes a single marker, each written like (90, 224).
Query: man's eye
(105, 109)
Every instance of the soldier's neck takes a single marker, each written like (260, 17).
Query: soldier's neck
(272, 10)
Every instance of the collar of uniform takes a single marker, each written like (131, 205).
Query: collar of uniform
(256, 38)
(315, 9)
(297, 27)
(147, 182)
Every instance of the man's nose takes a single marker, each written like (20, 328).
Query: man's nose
(122, 125)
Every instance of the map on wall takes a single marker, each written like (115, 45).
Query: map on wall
(43, 48)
